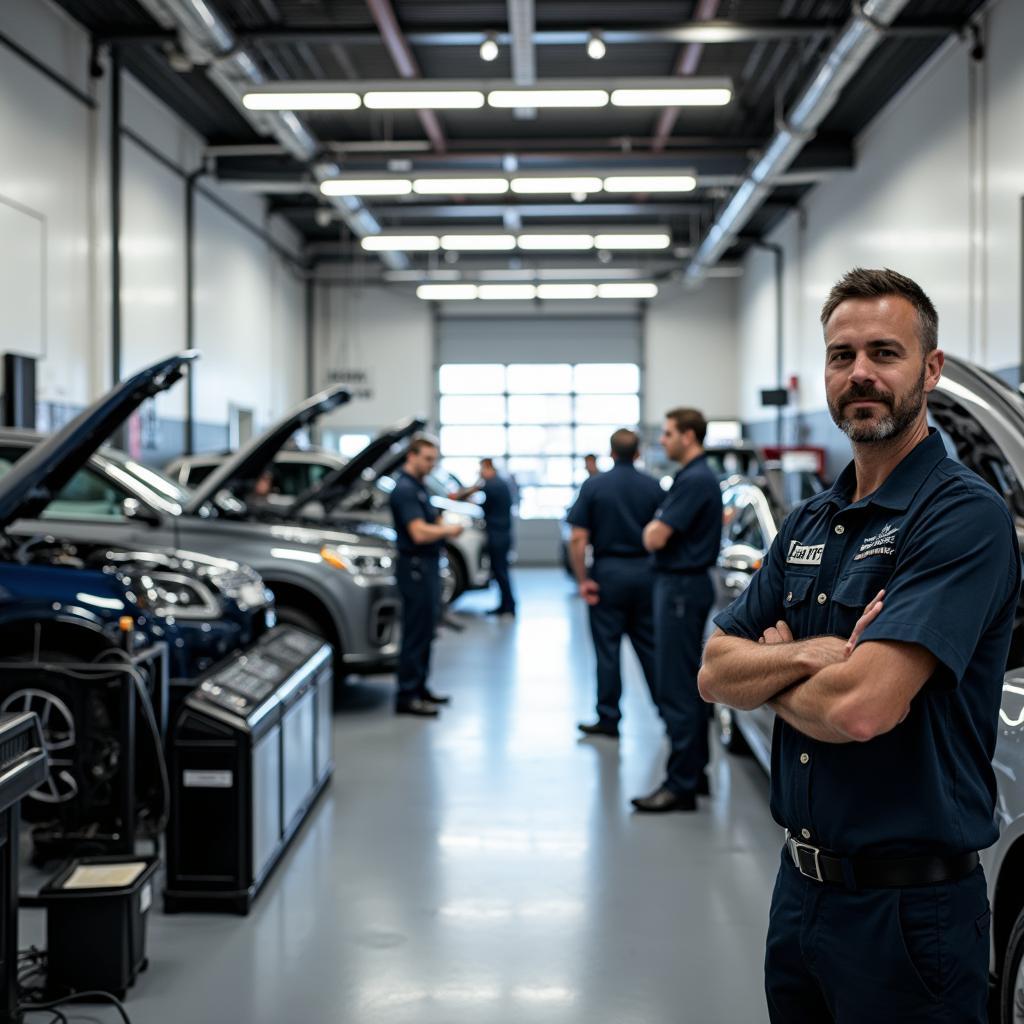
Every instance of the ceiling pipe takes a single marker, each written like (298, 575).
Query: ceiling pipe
(405, 64)
(208, 38)
(844, 58)
(521, 27)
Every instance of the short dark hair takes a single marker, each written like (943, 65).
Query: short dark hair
(877, 284)
(625, 444)
(590, 455)
(421, 441)
(488, 462)
(689, 419)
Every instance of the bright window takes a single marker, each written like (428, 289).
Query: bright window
(537, 420)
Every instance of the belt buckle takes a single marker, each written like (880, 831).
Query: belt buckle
(797, 849)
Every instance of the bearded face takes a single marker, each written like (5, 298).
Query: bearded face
(888, 415)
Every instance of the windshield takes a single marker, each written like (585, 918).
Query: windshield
(151, 479)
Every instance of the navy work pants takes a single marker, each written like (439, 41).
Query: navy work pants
(877, 956)
(419, 583)
(682, 603)
(625, 609)
(499, 545)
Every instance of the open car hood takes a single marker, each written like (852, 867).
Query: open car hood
(36, 477)
(334, 486)
(239, 473)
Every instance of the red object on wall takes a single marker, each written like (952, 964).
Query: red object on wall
(774, 452)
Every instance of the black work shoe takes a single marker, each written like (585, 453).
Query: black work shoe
(416, 706)
(599, 729)
(501, 611)
(663, 800)
(434, 698)
(703, 786)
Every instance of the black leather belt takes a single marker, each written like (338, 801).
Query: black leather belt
(877, 873)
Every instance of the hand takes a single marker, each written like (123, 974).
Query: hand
(453, 530)
(870, 614)
(590, 591)
(780, 633)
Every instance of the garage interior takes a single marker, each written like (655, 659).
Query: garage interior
(240, 236)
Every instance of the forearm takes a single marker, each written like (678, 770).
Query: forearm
(743, 674)
(655, 536)
(428, 533)
(578, 558)
(805, 708)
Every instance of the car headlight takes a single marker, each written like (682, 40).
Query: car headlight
(183, 597)
(240, 584)
(359, 563)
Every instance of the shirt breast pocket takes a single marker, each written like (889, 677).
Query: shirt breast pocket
(852, 595)
(796, 603)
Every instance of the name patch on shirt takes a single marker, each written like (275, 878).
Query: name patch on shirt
(882, 543)
(804, 554)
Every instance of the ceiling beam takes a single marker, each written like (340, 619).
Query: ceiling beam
(522, 24)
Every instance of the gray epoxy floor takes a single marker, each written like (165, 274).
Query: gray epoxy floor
(486, 868)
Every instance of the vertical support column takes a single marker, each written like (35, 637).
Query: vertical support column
(190, 305)
(115, 214)
(310, 334)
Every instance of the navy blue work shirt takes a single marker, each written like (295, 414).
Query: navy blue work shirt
(497, 507)
(615, 507)
(941, 543)
(410, 500)
(693, 508)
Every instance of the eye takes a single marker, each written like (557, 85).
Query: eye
(836, 357)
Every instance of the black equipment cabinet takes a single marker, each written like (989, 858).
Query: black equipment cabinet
(23, 766)
(249, 753)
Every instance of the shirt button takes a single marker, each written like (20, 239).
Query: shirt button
(822, 598)
(804, 758)
(840, 529)
(789, 596)
(806, 833)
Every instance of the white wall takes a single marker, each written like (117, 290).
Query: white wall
(909, 205)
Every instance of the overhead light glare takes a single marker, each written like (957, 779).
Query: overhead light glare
(651, 183)
(566, 98)
(649, 241)
(480, 243)
(446, 292)
(366, 187)
(460, 186)
(567, 291)
(558, 242)
(630, 290)
(301, 101)
(401, 243)
(596, 48)
(489, 49)
(671, 97)
(506, 291)
(414, 99)
(555, 186)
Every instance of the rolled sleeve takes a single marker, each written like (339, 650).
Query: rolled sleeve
(760, 605)
(678, 510)
(957, 572)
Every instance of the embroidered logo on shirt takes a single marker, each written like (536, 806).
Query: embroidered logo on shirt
(804, 554)
(882, 543)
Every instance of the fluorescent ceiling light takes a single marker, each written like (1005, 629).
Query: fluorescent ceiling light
(647, 241)
(681, 97)
(401, 243)
(439, 292)
(566, 291)
(489, 49)
(596, 48)
(460, 186)
(366, 187)
(555, 186)
(566, 98)
(630, 290)
(651, 183)
(414, 99)
(562, 241)
(301, 101)
(506, 291)
(482, 243)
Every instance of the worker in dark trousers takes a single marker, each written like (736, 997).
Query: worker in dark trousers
(877, 631)
(420, 539)
(498, 515)
(609, 516)
(685, 536)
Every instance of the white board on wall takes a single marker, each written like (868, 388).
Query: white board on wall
(22, 280)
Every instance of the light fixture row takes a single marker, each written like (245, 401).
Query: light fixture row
(558, 242)
(519, 292)
(596, 48)
(582, 185)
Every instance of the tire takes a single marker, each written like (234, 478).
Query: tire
(459, 576)
(729, 734)
(289, 616)
(1011, 983)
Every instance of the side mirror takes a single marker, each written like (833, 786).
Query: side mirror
(139, 512)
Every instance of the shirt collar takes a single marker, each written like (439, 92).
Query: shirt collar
(900, 486)
(693, 463)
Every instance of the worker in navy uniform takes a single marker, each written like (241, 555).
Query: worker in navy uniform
(684, 536)
(609, 516)
(878, 630)
(498, 502)
(590, 465)
(420, 541)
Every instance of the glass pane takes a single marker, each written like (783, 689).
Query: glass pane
(475, 440)
(87, 495)
(545, 502)
(601, 408)
(527, 440)
(594, 439)
(460, 472)
(540, 409)
(472, 378)
(607, 378)
(537, 471)
(352, 444)
(549, 378)
(473, 409)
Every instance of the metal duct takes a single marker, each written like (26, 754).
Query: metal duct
(209, 40)
(848, 54)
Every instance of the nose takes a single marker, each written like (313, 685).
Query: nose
(863, 369)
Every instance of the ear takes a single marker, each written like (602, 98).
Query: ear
(933, 364)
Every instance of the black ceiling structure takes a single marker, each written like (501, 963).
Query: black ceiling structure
(773, 48)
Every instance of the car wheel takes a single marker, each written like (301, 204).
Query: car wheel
(1011, 992)
(453, 583)
(729, 734)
